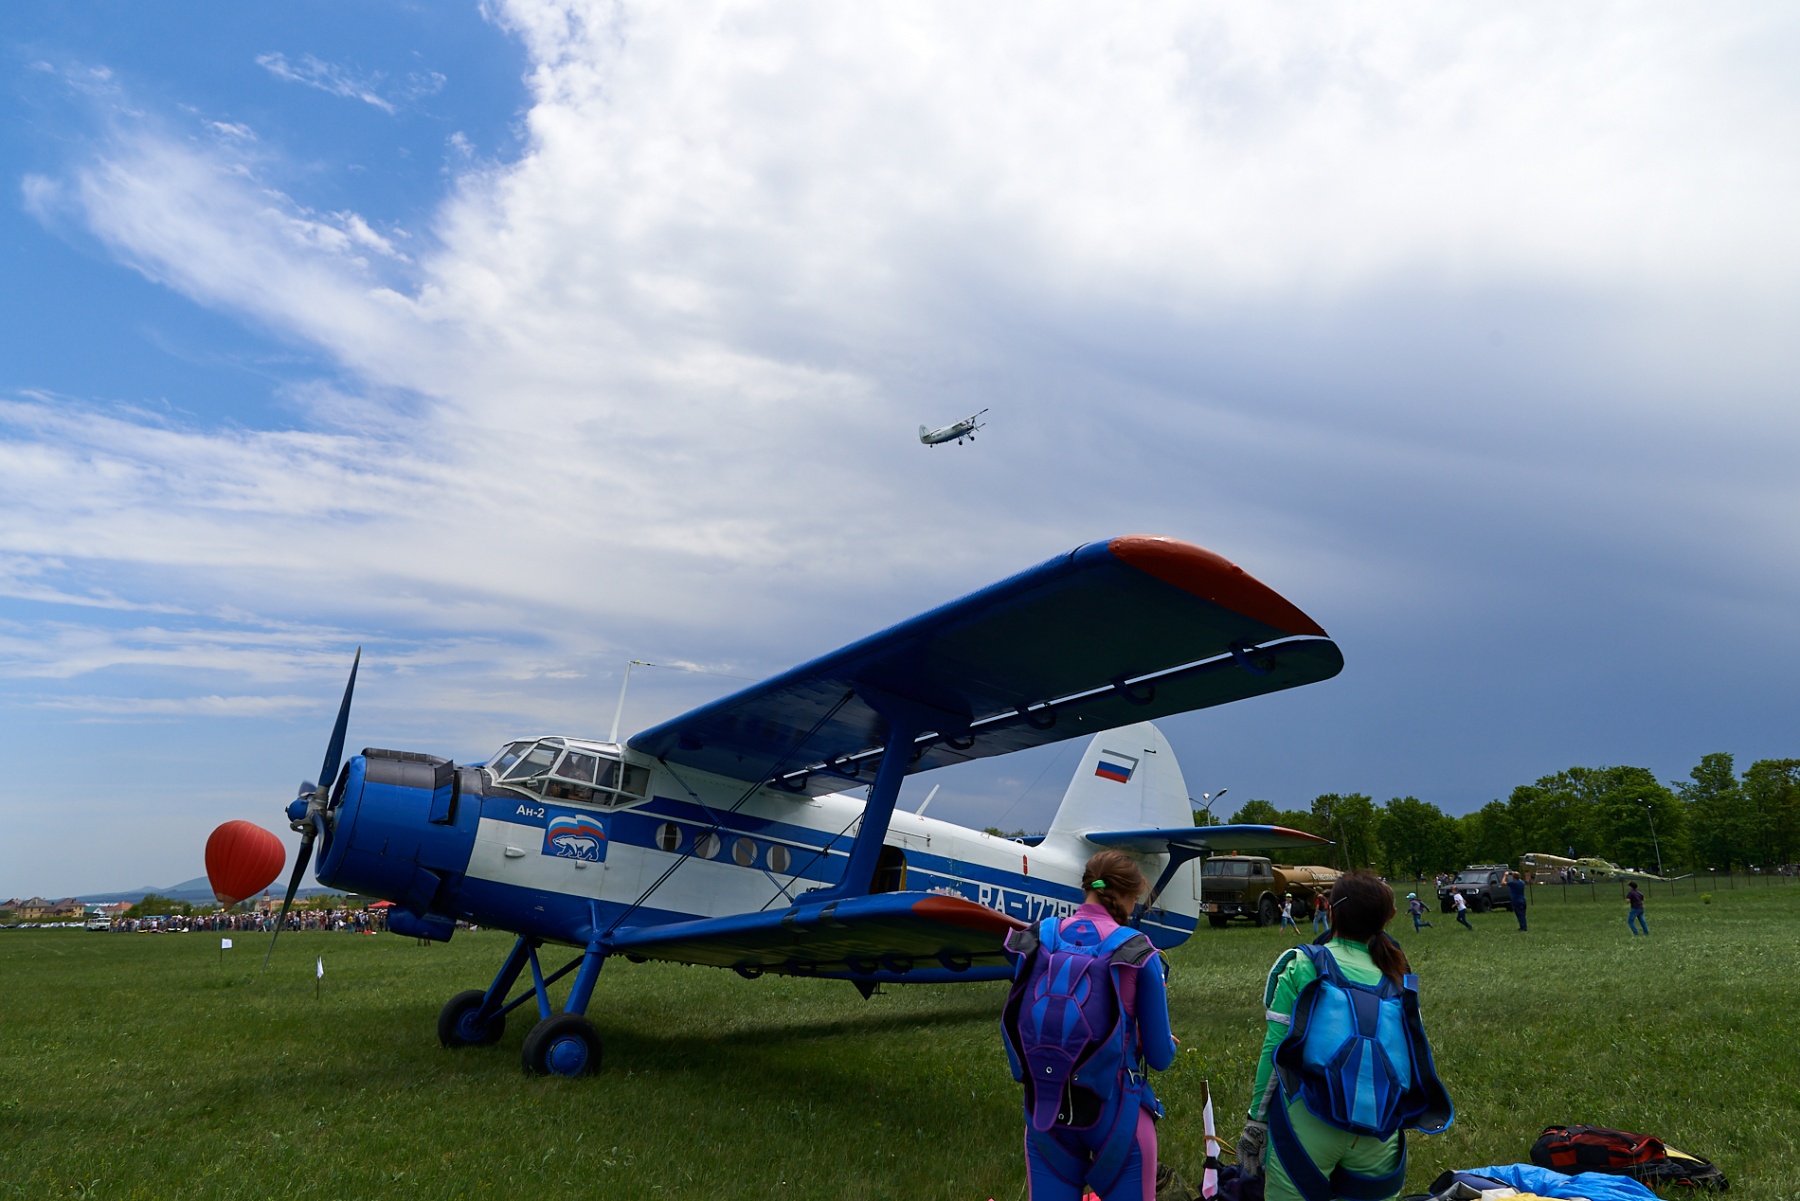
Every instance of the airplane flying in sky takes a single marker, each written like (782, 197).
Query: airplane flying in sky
(955, 432)
(1593, 867)
(732, 836)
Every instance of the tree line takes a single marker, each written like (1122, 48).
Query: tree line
(1716, 818)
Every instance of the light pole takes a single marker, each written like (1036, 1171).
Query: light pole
(1200, 880)
(1651, 813)
(1209, 799)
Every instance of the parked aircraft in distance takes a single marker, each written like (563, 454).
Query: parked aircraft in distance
(1593, 866)
(954, 432)
(759, 833)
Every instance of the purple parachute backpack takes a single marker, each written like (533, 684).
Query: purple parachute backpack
(1073, 1046)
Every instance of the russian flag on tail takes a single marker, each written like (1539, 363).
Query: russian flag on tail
(1114, 766)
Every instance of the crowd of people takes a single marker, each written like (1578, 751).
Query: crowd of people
(354, 921)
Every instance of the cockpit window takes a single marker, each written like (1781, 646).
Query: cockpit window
(507, 756)
(534, 763)
(545, 767)
(577, 766)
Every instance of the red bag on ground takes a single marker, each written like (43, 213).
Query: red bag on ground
(1572, 1149)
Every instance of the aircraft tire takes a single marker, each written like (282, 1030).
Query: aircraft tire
(1217, 921)
(457, 1026)
(563, 1044)
(1267, 912)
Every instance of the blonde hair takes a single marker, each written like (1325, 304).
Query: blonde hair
(1113, 879)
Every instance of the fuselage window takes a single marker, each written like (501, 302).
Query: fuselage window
(744, 851)
(778, 858)
(668, 836)
(708, 846)
(635, 781)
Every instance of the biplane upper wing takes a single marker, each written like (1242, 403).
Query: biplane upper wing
(1208, 838)
(921, 936)
(1111, 633)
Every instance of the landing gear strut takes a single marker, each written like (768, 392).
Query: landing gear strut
(561, 1044)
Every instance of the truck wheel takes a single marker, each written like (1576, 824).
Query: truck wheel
(1267, 913)
(1444, 905)
(1217, 921)
(1483, 903)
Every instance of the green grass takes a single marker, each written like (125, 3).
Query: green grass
(135, 1066)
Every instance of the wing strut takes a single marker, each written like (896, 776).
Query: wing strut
(906, 720)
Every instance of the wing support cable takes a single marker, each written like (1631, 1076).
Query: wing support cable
(719, 819)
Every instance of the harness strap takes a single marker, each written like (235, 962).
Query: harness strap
(1314, 1185)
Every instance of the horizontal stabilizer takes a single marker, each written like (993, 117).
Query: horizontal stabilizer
(899, 936)
(1215, 839)
(1107, 635)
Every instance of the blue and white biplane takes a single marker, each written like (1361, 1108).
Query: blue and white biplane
(759, 833)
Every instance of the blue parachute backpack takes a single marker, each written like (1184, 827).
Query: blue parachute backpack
(1065, 1029)
(1356, 1055)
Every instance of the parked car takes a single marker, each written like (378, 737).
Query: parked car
(1483, 885)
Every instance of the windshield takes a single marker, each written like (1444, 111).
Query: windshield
(1227, 867)
(550, 769)
(1473, 877)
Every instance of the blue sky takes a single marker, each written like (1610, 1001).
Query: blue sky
(514, 343)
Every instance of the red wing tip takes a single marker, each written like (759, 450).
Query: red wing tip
(1214, 578)
(958, 911)
(1300, 834)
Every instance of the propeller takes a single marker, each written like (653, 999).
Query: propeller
(306, 813)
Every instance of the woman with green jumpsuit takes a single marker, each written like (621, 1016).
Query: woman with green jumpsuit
(1361, 907)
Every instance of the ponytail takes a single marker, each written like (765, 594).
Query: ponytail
(1361, 906)
(1111, 878)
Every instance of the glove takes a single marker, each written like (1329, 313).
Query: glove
(1250, 1147)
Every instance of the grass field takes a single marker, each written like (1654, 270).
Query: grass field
(137, 1066)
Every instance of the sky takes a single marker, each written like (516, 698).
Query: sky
(514, 342)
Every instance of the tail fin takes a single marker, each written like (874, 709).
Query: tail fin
(922, 432)
(1127, 780)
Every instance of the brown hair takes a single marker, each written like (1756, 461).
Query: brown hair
(1115, 881)
(1361, 906)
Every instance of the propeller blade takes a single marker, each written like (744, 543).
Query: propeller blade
(334, 752)
(300, 862)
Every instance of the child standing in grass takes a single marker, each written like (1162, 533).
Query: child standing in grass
(1634, 918)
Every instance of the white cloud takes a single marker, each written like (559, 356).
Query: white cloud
(326, 77)
(650, 388)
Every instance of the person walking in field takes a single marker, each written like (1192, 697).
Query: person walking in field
(1634, 918)
(1321, 913)
(1327, 1109)
(1416, 908)
(1461, 904)
(1515, 889)
(1287, 914)
(1088, 1012)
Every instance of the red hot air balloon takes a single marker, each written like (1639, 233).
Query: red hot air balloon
(242, 859)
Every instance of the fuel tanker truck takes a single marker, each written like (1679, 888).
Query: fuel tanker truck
(1250, 886)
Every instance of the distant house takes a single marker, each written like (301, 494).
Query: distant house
(37, 909)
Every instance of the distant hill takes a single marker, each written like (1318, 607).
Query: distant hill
(193, 891)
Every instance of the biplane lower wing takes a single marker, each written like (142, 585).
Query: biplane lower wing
(913, 937)
(1211, 839)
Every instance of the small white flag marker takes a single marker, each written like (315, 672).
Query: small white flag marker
(224, 944)
(321, 967)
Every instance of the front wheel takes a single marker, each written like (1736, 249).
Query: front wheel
(1267, 913)
(459, 1023)
(563, 1044)
(1217, 921)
